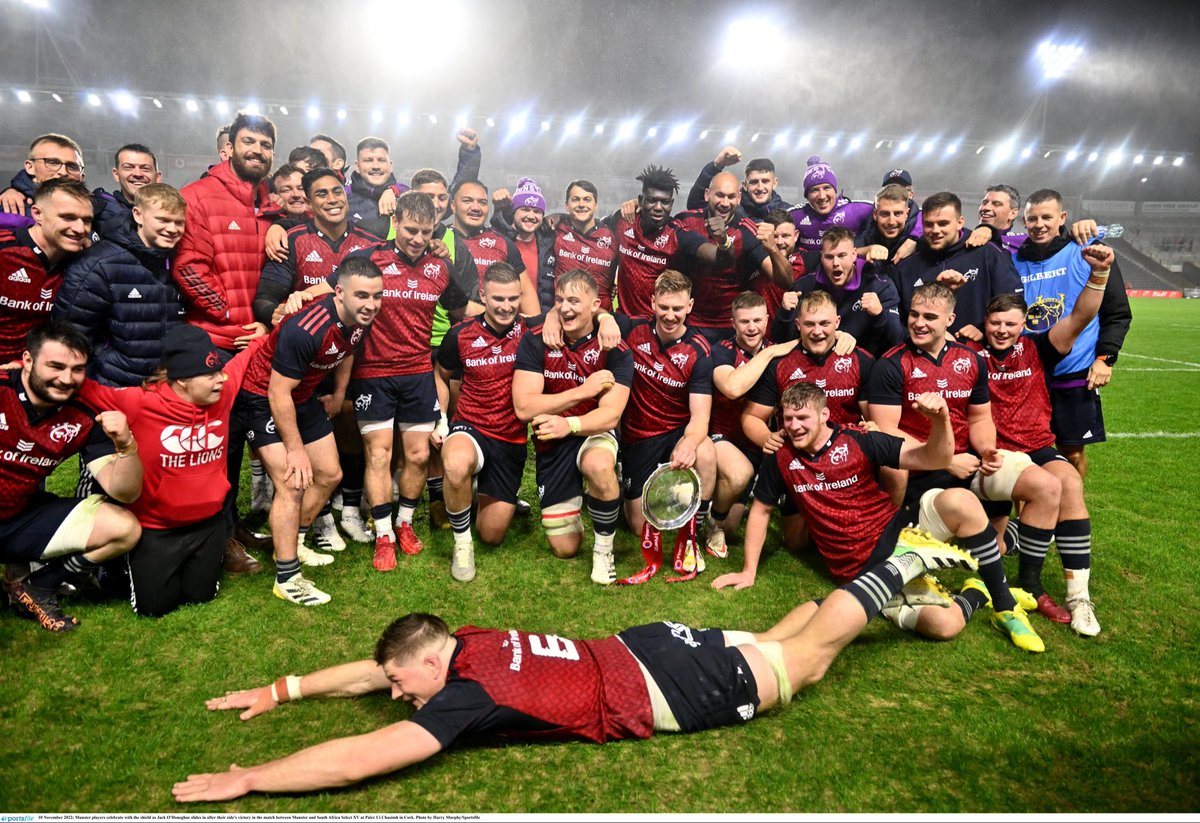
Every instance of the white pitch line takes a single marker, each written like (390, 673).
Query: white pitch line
(1161, 359)
(1188, 371)
(1157, 435)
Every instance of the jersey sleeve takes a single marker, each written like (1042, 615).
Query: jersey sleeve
(723, 356)
(768, 487)
(753, 252)
(461, 708)
(1049, 355)
(765, 391)
(464, 279)
(448, 353)
(284, 272)
(700, 380)
(979, 392)
(294, 351)
(531, 354)
(880, 448)
(689, 242)
(886, 386)
(620, 363)
(866, 365)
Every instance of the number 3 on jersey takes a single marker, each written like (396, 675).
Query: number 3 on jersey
(551, 645)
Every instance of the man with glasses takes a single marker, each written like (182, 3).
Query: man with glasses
(50, 156)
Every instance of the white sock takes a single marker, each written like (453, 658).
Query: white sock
(1077, 583)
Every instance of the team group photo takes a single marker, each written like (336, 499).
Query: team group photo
(540, 373)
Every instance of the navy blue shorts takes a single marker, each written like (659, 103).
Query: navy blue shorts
(252, 413)
(640, 458)
(558, 475)
(405, 398)
(24, 538)
(503, 463)
(706, 683)
(1076, 417)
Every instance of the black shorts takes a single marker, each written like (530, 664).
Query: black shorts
(1046, 455)
(498, 473)
(169, 568)
(921, 482)
(1076, 417)
(405, 398)
(252, 413)
(706, 683)
(640, 458)
(24, 538)
(558, 475)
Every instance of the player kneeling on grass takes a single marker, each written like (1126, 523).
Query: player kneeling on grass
(574, 397)
(1017, 370)
(290, 425)
(831, 475)
(657, 677)
(484, 444)
(42, 423)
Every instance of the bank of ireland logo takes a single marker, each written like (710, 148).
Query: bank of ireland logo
(65, 432)
(184, 439)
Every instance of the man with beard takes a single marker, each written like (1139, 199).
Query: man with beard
(220, 259)
(759, 197)
(34, 259)
(717, 286)
(44, 423)
(650, 243)
(469, 205)
(976, 274)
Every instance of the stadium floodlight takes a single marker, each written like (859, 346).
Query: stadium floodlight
(952, 149)
(879, 143)
(341, 114)
(403, 118)
(652, 131)
(679, 133)
(781, 138)
(1047, 155)
(517, 123)
(313, 112)
(251, 108)
(832, 141)
(704, 134)
(905, 144)
(1115, 157)
(157, 103)
(491, 122)
(545, 125)
(1158, 161)
(1072, 155)
(376, 116)
(283, 110)
(759, 31)
(1139, 159)
(731, 136)
(979, 150)
(1057, 59)
(599, 128)
(626, 129)
(805, 140)
(40, 5)
(1026, 153)
(124, 101)
(1178, 161)
(222, 107)
(571, 128)
(460, 122)
(928, 147)
(856, 143)
(754, 137)
(24, 96)
(433, 119)
(191, 105)
(93, 99)
(1093, 157)
(1144, 179)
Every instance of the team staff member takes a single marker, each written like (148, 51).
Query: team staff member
(34, 259)
(44, 424)
(658, 677)
(182, 423)
(574, 396)
(758, 188)
(51, 156)
(1055, 272)
(825, 208)
(289, 424)
(485, 443)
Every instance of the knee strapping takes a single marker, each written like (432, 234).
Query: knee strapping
(563, 518)
(1000, 485)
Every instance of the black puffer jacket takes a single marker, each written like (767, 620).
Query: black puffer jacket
(121, 294)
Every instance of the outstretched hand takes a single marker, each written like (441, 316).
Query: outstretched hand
(254, 701)
(221, 786)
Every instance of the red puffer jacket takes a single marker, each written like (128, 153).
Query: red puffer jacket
(222, 252)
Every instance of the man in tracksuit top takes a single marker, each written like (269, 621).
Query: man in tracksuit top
(825, 209)
(943, 255)
(1054, 271)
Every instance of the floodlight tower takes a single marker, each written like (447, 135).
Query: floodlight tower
(1056, 60)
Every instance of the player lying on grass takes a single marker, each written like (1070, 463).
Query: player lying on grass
(656, 677)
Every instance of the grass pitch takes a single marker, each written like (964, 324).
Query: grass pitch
(107, 718)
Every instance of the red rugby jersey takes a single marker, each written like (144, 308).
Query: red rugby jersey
(665, 376)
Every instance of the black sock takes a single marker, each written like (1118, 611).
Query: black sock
(460, 521)
(434, 486)
(1034, 543)
(873, 589)
(382, 511)
(604, 514)
(1074, 539)
(353, 468)
(326, 509)
(969, 600)
(286, 569)
(983, 548)
(720, 516)
(54, 573)
(1012, 536)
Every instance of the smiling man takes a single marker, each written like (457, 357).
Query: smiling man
(654, 678)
